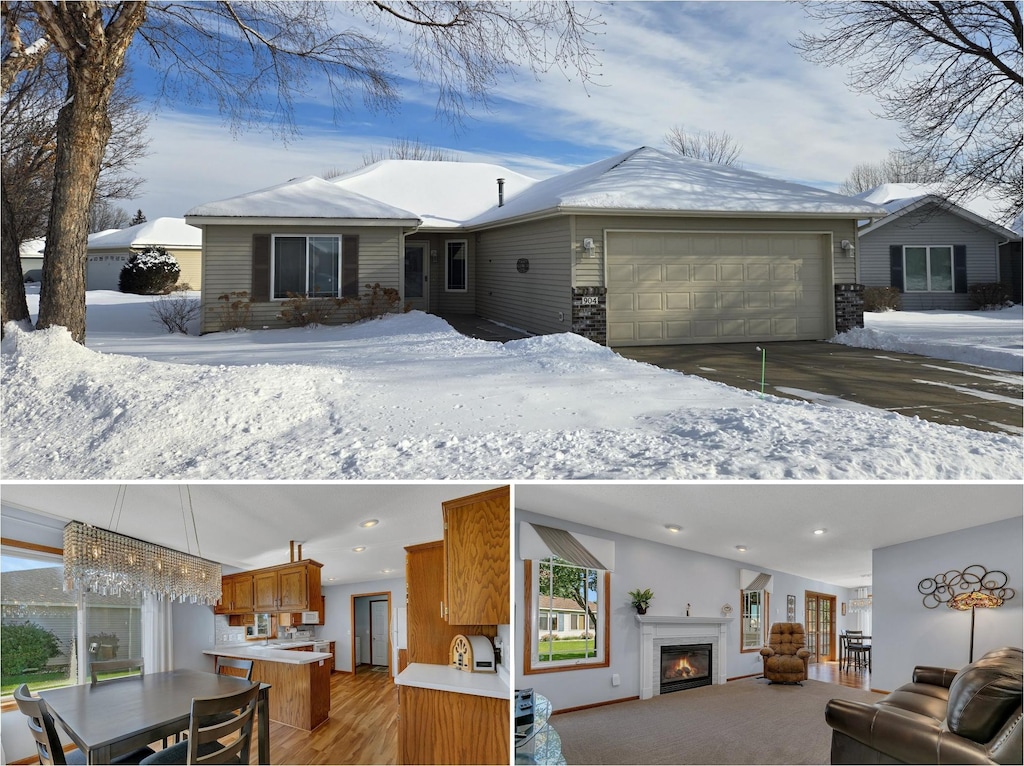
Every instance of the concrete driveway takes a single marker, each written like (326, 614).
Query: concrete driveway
(932, 389)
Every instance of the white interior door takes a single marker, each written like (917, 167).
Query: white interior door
(379, 633)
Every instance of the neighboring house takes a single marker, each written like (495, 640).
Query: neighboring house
(562, 618)
(930, 248)
(31, 254)
(1011, 262)
(640, 249)
(109, 251)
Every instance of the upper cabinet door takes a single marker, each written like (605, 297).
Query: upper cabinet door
(242, 599)
(293, 589)
(476, 541)
(264, 585)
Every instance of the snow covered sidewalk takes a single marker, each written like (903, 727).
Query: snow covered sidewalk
(407, 397)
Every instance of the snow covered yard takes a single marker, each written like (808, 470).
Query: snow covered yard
(409, 398)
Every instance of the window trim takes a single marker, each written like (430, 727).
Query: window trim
(273, 263)
(447, 265)
(528, 665)
(928, 269)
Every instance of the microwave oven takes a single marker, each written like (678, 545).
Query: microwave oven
(311, 618)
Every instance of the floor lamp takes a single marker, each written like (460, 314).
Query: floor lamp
(973, 600)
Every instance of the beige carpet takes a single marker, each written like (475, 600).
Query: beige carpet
(741, 722)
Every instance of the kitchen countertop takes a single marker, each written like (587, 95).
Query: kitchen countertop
(448, 679)
(258, 651)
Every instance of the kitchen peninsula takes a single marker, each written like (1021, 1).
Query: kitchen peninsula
(300, 679)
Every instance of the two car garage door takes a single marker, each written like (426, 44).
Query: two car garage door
(673, 288)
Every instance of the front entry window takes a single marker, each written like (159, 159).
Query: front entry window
(414, 271)
(456, 272)
(306, 266)
(928, 269)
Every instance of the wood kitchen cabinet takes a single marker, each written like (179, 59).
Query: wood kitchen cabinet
(476, 557)
(448, 727)
(291, 587)
(428, 634)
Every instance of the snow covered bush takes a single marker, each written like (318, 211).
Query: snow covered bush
(176, 310)
(152, 271)
(989, 295)
(882, 299)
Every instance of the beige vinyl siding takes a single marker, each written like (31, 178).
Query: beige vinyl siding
(930, 226)
(539, 300)
(590, 271)
(227, 266)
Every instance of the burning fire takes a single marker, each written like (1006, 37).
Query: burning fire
(682, 668)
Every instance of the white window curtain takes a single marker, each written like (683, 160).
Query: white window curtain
(157, 631)
(537, 541)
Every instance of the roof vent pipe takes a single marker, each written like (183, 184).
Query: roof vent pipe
(501, 192)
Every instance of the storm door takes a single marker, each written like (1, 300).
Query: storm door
(820, 611)
(417, 295)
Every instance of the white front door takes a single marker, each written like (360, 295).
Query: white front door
(379, 633)
(417, 294)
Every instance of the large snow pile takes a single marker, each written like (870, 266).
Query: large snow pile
(985, 338)
(407, 397)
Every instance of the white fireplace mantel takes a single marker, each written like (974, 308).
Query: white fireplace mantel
(659, 630)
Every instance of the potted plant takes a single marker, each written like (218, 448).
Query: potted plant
(641, 599)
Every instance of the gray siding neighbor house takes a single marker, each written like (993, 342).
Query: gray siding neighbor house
(643, 248)
(929, 248)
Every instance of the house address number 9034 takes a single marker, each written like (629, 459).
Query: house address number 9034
(588, 300)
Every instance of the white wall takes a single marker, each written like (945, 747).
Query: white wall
(193, 631)
(677, 577)
(906, 634)
(338, 617)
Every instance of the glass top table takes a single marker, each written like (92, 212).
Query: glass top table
(538, 742)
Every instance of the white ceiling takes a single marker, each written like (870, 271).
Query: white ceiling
(776, 521)
(248, 526)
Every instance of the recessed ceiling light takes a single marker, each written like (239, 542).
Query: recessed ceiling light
(359, 548)
(331, 579)
(820, 531)
(741, 548)
(386, 571)
(673, 528)
(369, 523)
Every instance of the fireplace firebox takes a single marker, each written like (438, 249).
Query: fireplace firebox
(685, 666)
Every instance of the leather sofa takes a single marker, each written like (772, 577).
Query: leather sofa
(943, 716)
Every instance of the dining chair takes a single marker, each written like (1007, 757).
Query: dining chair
(229, 666)
(857, 652)
(96, 667)
(48, 745)
(207, 729)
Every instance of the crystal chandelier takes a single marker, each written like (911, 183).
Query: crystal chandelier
(863, 601)
(111, 564)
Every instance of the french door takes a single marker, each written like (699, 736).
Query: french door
(820, 613)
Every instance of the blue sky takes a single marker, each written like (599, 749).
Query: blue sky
(721, 66)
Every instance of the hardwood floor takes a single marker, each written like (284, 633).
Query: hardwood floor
(362, 728)
(830, 672)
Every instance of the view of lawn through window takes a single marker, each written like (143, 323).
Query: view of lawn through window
(567, 612)
(49, 637)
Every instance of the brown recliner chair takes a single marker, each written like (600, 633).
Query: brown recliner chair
(785, 659)
(943, 716)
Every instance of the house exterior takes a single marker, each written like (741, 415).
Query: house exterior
(563, 618)
(643, 248)
(109, 250)
(929, 248)
(30, 252)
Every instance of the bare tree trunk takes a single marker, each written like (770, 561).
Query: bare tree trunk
(13, 306)
(95, 49)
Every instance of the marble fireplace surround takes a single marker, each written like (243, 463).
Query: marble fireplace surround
(658, 631)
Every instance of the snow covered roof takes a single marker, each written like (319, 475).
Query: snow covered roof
(166, 232)
(647, 179)
(301, 200)
(443, 194)
(32, 248)
(898, 199)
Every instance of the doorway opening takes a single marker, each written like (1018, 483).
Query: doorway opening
(820, 610)
(371, 633)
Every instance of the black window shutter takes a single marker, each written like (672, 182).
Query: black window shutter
(896, 266)
(350, 266)
(960, 268)
(261, 267)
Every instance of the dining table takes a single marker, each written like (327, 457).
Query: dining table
(111, 719)
(844, 639)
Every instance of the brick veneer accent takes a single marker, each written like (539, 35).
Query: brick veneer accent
(591, 320)
(849, 306)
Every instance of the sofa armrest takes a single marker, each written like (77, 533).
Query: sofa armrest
(767, 651)
(901, 735)
(926, 674)
(803, 654)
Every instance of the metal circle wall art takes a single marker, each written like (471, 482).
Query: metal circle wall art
(942, 587)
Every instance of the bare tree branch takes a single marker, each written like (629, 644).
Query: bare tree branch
(707, 145)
